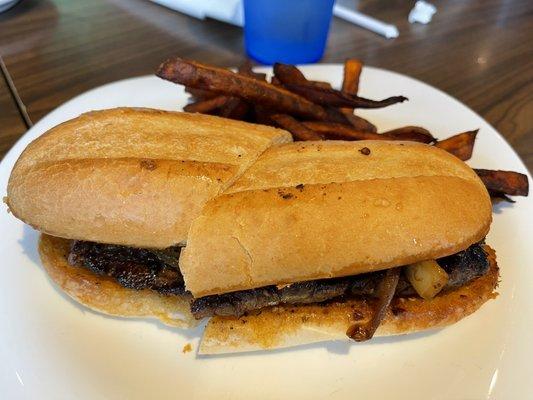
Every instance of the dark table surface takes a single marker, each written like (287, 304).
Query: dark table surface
(478, 51)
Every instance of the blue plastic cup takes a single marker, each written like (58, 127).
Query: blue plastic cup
(288, 31)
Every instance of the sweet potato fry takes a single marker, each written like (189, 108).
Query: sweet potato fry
(206, 106)
(200, 76)
(261, 115)
(286, 73)
(289, 74)
(199, 94)
(498, 197)
(320, 84)
(321, 92)
(333, 130)
(352, 72)
(358, 123)
(411, 133)
(506, 182)
(336, 115)
(298, 130)
(234, 108)
(275, 81)
(460, 145)
(336, 98)
(246, 70)
(350, 85)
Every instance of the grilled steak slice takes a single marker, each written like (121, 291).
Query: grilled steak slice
(465, 266)
(133, 268)
(158, 270)
(314, 291)
(240, 302)
(461, 268)
(237, 303)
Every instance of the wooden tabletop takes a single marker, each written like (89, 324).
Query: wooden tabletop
(11, 124)
(478, 51)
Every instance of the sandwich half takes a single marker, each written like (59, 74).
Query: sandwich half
(297, 250)
(114, 193)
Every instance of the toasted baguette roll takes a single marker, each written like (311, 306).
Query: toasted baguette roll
(105, 295)
(308, 211)
(130, 176)
(286, 326)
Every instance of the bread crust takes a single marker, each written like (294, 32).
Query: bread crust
(340, 161)
(105, 295)
(131, 176)
(286, 326)
(342, 217)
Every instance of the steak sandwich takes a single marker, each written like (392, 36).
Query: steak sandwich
(185, 217)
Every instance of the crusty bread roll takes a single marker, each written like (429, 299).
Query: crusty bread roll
(131, 176)
(308, 211)
(104, 294)
(289, 325)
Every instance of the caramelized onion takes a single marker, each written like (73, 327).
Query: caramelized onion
(385, 292)
(427, 278)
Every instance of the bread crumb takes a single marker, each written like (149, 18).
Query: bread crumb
(187, 348)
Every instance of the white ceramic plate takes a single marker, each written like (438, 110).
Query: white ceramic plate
(53, 348)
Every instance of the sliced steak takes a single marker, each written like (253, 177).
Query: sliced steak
(133, 268)
(238, 303)
(158, 270)
(461, 268)
(235, 303)
(465, 266)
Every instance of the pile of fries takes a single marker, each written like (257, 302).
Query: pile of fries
(314, 110)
